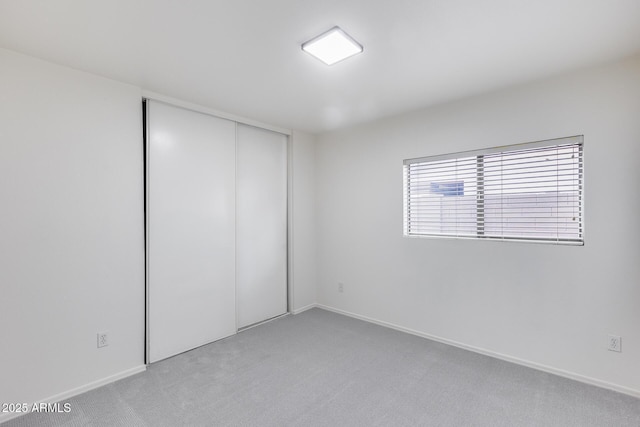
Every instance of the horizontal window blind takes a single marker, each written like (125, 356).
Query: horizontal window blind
(530, 192)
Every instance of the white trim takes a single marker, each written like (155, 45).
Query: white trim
(147, 94)
(290, 218)
(235, 225)
(262, 322)
(78, 390)
(540, 367)
(146, 165)
(307, 307)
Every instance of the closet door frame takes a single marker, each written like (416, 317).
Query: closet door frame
(153, 96)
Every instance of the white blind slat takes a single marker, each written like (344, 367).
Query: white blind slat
(527, 192)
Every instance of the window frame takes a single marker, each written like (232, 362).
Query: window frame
(577, 141)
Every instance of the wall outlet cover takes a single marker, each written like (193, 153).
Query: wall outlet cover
(103, 339)
(615, 343)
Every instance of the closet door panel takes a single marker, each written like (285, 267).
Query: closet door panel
(261, 203)
(191, 223)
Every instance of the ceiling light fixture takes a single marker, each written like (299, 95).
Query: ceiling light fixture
(332, 46)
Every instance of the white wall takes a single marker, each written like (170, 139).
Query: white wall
(549, 306)
(71, 234)
(303, 244)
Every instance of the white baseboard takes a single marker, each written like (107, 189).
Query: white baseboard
(522, 362)
(305, 308)
(78, 390)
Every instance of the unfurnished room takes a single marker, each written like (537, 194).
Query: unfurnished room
(319, 213)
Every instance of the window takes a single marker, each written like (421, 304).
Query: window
(526, 192)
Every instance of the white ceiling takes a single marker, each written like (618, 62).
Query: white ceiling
(244, 56)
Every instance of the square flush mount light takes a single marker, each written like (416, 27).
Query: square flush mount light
(332, 46)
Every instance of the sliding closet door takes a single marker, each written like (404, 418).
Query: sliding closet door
(261, 261)
(191, 227)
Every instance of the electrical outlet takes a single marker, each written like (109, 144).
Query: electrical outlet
(615, 343)
(103, 339)
(340, 287)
